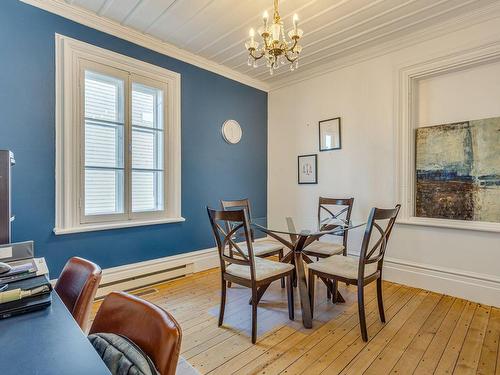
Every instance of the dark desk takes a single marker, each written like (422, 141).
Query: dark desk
(47, 342)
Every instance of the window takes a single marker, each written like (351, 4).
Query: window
(117, 140)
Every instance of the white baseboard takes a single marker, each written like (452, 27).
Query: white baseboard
(136, 275)
(474, 287)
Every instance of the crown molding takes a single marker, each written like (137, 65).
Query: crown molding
(114, 28)
(454, 24)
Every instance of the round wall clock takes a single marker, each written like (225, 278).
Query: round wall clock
(231, 131)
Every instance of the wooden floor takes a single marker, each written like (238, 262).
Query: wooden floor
(425, 333)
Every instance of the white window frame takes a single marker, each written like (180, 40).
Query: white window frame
(71, 55)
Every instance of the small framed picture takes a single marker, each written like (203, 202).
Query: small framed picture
(308, 169)
(329, 134)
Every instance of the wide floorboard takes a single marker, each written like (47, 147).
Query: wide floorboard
(424, 333)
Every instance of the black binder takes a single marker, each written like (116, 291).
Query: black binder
(27, 304)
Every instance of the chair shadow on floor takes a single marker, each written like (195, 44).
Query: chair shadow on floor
(273, 310)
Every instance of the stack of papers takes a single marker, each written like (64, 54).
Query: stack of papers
(24, 269)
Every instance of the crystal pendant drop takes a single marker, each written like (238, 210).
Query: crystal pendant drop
(255, 64)
(249, 62)
(271, 71)
(291, 68)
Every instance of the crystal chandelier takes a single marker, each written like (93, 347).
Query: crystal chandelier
(276, 49)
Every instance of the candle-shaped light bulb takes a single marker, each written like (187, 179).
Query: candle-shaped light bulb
(265, 17)
(295, 21)
(252, 34)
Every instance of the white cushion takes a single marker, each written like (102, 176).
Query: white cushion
(261, 247)
(343, 266)
(263, 269)
(325, 248)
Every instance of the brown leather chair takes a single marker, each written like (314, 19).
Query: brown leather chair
(151, 328)
(77, 286)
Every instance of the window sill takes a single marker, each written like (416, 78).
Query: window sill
(115, 225)
(452, 224)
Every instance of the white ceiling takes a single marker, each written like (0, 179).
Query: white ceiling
(217, 29)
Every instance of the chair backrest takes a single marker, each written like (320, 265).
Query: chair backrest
(344, 214)
(237, 204)
(375, 254)
(77, 285)
(236, 221)
(151, 328)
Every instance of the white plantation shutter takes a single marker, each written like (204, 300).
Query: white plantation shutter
(104, 127)
(147, 148)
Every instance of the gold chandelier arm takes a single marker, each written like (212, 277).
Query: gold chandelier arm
(290, 59)
(295, 42)
(252, 53)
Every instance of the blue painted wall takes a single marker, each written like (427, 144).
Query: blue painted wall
(211, 169)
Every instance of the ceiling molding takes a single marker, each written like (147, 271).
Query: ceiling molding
(108, 26)
(452, 25)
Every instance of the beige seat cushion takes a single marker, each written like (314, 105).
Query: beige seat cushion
(339, 265)
(324, 248)
(261, 248)
(263, 269)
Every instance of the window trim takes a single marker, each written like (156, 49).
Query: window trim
(68, 186)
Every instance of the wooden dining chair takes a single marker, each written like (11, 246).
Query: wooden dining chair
(243, 267)
(324, 249)
(363, 270)
(264, 248)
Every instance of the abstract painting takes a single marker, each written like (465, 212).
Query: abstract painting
(458, 171)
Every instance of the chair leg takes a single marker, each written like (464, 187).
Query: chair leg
(254, 315)
(310, 283)
(335, 287)
(282, 279)
(361, 311)
(380, 300)
(222, 302)
(294, 274)
(328, 293)
(231, 255)
(289, 290)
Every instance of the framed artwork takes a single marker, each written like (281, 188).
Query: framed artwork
(329, 134)
(458, 171)
(308, 169)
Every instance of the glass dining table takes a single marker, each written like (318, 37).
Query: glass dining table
(296, 233)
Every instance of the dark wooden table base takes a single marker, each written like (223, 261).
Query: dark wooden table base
(295, 256)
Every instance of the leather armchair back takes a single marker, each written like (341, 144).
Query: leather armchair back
(77, 286)
(151, 328)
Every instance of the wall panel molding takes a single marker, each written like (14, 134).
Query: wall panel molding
(407, 78)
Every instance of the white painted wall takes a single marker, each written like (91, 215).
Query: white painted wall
(458, 262)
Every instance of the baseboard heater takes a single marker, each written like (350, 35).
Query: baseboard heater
(126, 278)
